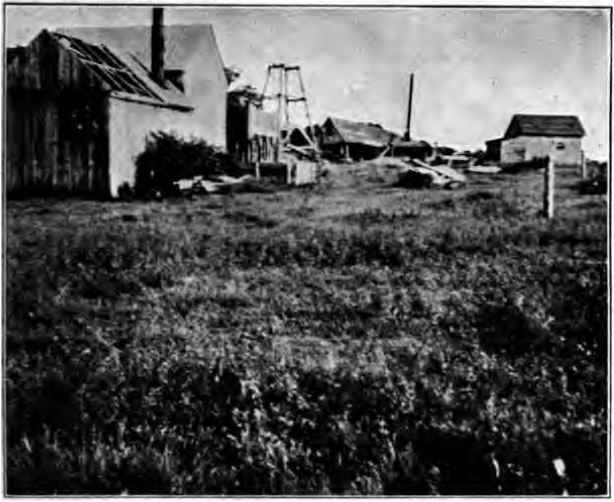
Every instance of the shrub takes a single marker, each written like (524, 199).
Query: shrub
(168, 157)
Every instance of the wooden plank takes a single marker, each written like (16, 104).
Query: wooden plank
(101, 149)
(21, 112)
(13, 139)
(65, 126)
(61, 126)
(61, 181)
(27, 147)
(549, 189)
(53, 140)
(67, 178)
(38, 137)
(44, 141)
(89, 152)
(75, 161)
(87, 51)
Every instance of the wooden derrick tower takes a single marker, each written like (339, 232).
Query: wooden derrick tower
(285, 85)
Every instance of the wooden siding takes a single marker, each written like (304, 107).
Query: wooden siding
(249, 137)
(57, 123)
(330, 135)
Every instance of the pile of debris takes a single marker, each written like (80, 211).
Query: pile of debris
(484, 169)
(201, 185)
(415, 173)
(296, 166)
(419, 174)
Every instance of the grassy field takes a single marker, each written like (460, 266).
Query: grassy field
(353, 338)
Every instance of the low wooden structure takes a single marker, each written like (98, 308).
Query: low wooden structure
(349, 140)
(252, 134)
(413, 148)
(57, 116)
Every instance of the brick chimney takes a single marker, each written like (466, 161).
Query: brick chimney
(157, 46)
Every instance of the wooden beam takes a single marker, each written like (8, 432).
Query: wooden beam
(549, 189)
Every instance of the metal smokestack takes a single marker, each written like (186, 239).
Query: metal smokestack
(157, 45)
(411, 92)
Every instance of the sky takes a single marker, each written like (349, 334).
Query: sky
(474, 67)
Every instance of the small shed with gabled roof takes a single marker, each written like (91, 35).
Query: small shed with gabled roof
(533, 136)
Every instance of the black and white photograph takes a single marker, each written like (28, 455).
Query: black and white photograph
(314, 250)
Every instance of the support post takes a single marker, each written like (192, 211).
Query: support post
(549, 189)
(582, 165)
(407, 135)
(257, 170)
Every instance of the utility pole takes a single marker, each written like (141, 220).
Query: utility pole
(407, 135)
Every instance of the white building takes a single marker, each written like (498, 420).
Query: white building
(533, 136)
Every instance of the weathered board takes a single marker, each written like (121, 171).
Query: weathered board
(57, 123)
(251, 134)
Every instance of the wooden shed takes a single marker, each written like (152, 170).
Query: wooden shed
(351, 140)
(57, 133)
(81, 103)
(534, 136)
(252, 134)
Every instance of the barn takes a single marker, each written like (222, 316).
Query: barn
(81, 102)
(351, 140)
(533, 136)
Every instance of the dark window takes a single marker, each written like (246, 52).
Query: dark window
(560, 146)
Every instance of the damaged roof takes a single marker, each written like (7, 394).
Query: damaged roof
(545, 125)
(362, 132)
(180, 41)
(121, 56)
(109, 68)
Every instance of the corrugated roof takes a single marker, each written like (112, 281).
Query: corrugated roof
(545, 125)
(361, 132)
(131, 46)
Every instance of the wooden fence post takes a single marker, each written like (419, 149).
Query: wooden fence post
(290, 168)
(257, 170)
(583, 164)
(549, 189)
